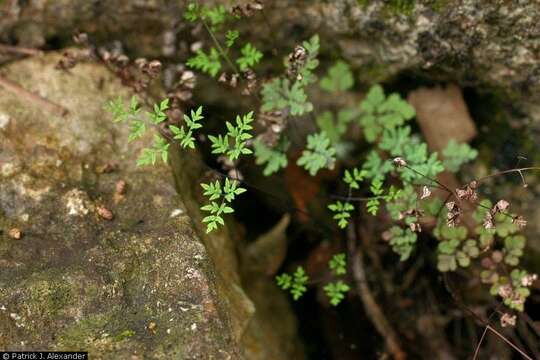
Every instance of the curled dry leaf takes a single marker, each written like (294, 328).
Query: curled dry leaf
(488, 221)
(468, 192)
(500, 206)
(425, 193)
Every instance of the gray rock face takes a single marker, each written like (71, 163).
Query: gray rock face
(145, 284)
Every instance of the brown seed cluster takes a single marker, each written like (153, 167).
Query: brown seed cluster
(248, 9)
(296, 61)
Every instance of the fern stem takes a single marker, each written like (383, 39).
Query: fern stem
(218, 45)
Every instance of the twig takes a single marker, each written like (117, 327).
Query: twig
(31, 97)
(373, 310)
(20, 50)
(508, 172)
(477, 350)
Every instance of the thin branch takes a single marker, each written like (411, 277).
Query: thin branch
(20, 50)
(374, 312)
(502, 337)
(444, 187)
(477, 350)
(508, 172)
(31, 97)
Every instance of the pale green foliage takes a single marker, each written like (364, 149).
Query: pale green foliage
(295, 283)
(335, 129)
(342, 212)
(380, 112)
(417, 157)
(278, 94)
(216, 192)
(402, 241)
(318, 154)
(230, 37)
(338, 264)
(186, 136)
(207, 63)
(250, 57)
(336, 291)
(149, 156)
(338, 79)
(375, 166)
(456, 155)
(234, 143)
(274, 158)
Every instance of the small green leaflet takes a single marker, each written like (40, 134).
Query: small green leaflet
(342, 212)
(230, 37)
(336, 292)
(216, 191)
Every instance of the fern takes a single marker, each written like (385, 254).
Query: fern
(250, 57)
(318, 154)
(456, 155)
(274, 158)
(230, 37)
(278, 94)
(160, 149)
(295, 283)
(238, 134)
(336, 292)
(338, 79)
(343, 212)
(379, 112)
(186, 136)
(338, 264)
(207, 63)
(215, 192)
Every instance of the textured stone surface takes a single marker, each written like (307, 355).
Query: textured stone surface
(146, 284)
(478, 43)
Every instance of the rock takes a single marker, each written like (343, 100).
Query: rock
(475, 43)
(145, 283)
(442, 115)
